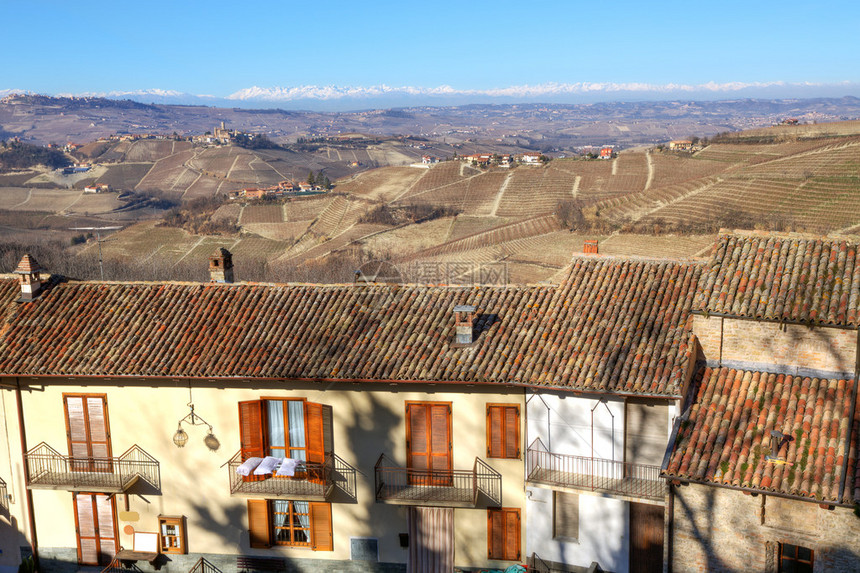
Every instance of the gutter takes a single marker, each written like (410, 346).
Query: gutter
(31, 514)
(776, 321)
(836, 503)
(215, 379)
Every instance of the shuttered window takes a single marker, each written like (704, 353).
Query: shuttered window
(95, 522)
(503, 534)
(428, 442)
(290, 523)
(285, 429)
(88, 432)
(503, 431)
(565, 515)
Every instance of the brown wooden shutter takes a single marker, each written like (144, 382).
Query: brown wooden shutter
(565, 515)
(321, 534)
(494, 432)
(98, 426)
(495, 534)
(417, 448)
(440, 436)
(318, 419)
(512, 431)
(512, 534)
(251, 429)
(258, 523)
(85, 522)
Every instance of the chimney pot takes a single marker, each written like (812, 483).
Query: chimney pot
(464, 321)
(29, 279)
(590, 246)
(221, 266)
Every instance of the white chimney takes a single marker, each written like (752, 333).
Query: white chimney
(221, 266)
(464, 320)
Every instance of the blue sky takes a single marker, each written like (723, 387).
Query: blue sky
(221, 48)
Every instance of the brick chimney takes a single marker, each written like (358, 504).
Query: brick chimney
(221, 266)
(29, 279)
(464, 321)
(590, 246)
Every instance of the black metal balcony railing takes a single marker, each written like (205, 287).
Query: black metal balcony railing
(4, 495)
(445, 488)
(311, 482)
(538, 565)
(595, 474)
(49, 469)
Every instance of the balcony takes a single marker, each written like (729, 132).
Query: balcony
(4, 495)
(313, 481)
(49, 469)
(442, 488)
(563, 471)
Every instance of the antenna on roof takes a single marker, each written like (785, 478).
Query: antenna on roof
(98, 231)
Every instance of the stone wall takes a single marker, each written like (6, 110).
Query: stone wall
(723, 530)
(753, 345)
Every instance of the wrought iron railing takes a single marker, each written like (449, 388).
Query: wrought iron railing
(117, 566)
(594, 474)
(203, 566)
(313, 481)
(4, 495)
(538, 565)
(48, 468)
(396, 484)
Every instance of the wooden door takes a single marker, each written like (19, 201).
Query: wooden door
(428, 443)
(95, 524)
(88, 432)
(646, 538)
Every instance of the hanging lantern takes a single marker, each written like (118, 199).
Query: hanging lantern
(180, 438)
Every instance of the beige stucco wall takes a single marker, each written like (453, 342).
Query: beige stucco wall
(13, 513)
(368, 420)
(748, 341)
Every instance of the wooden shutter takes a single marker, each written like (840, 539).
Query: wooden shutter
(251, 429)
(321, 534)
(87, 431)
(85, 522)
(495, 534)
(106, 528)
(258, 523)
(428, 442)
(565, 515)
(503, 431)
(318, 419)
(512, 431)
(503, 534)
(95, 520)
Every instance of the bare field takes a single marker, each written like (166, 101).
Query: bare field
(288, 232)
(153, 150)
(125, 175)
(11, 197)
(404, 241)
(273, 213)
(665, 246)
(383, 184)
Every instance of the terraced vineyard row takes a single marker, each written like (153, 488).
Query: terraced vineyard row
(440, 174)
(813, 204)
(531, 192)
(831, 161)
(522, 229)
(262, 214)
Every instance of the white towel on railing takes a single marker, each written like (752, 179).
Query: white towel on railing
(248, 466)
(267, 466)
(288, 467)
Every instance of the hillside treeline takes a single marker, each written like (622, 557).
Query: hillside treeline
(19, 155)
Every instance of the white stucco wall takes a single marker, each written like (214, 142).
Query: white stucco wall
(603, 533)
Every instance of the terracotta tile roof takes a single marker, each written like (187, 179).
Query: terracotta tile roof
(727, 435)
(783, 278)
(613, 326)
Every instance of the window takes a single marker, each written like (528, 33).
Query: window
(503, 431)
(171, 534)
(565, 516)
(285, 429)
(795, 559)
(503, 534)
(428, 443)
(95, 523)
(88, 432)
(290, 523)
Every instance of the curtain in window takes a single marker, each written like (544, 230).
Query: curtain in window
(275, 410)
(296, 411)
(303, 517)
(280, 519)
